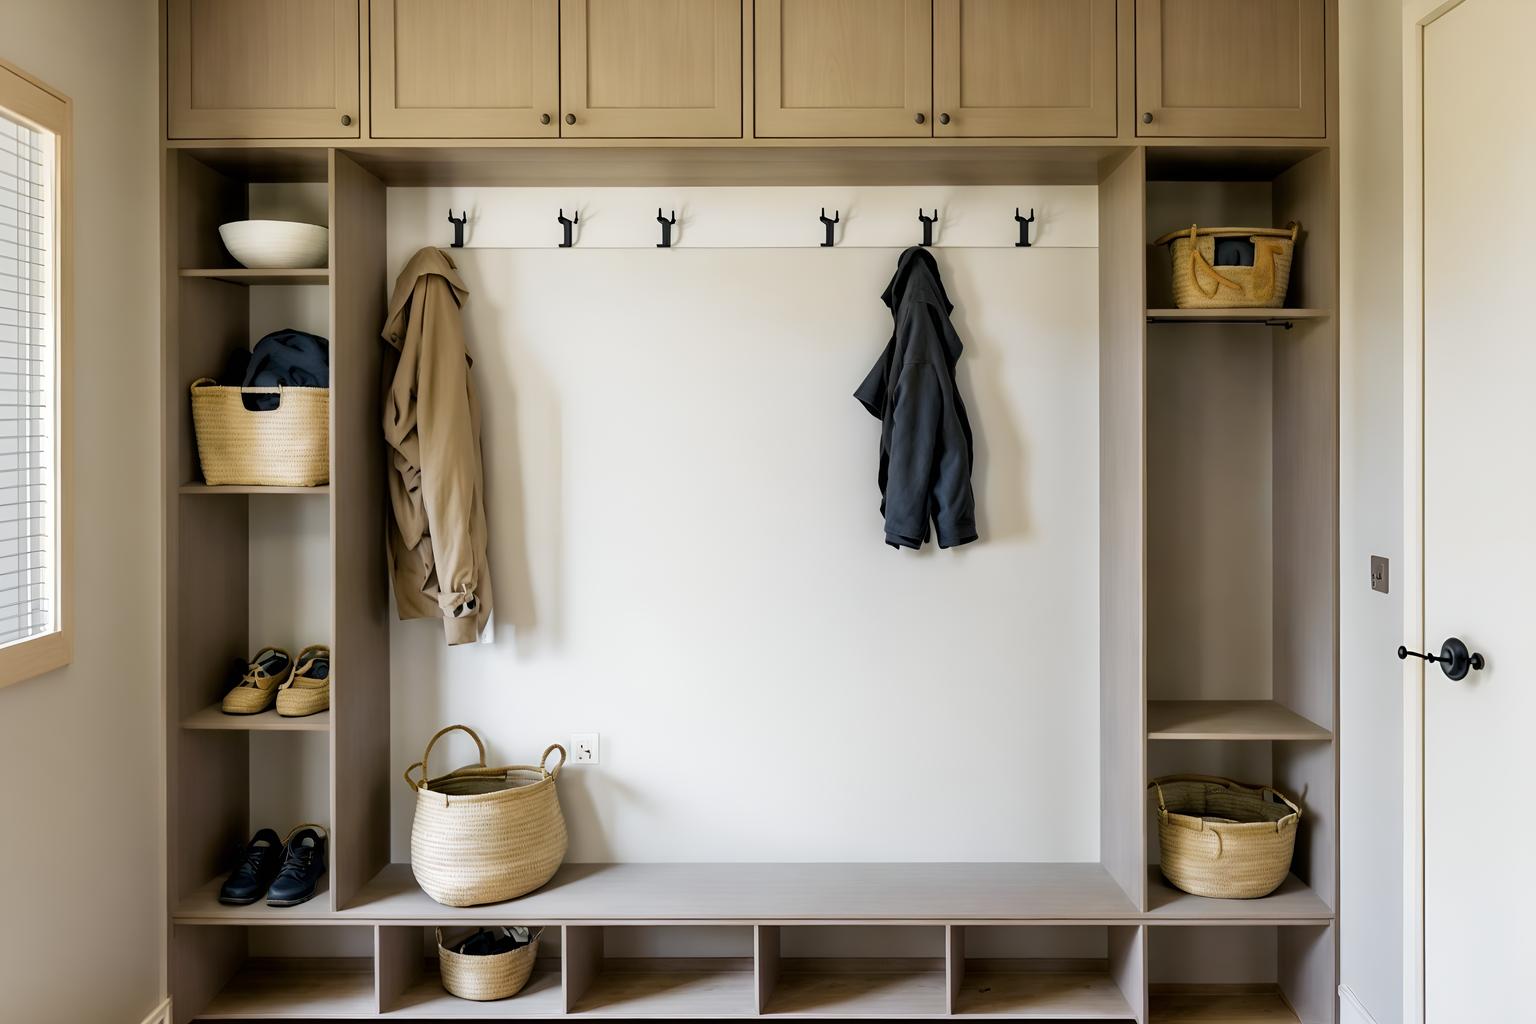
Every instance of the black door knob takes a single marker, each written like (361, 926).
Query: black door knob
(943, 119)
(570, 118)
(1454, 659)
(346, 120)
(920, 118)
(1146, 118)
(543, 119)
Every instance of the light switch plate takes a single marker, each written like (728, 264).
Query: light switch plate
(1379, 572)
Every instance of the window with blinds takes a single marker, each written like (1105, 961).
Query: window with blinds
(28, 357)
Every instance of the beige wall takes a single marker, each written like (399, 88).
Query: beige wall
(80, 864)
(1371, 509)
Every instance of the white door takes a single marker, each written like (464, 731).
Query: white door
(1479, 504)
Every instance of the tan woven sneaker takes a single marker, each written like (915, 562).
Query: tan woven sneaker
(308, 691)
(263, 675)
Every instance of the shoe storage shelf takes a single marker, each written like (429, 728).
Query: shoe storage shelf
(1202, 668)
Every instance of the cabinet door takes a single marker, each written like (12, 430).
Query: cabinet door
(465, 68)
(844, 68)
(1222, 68)
(650, 68)
(262, 69)
(1024, 67)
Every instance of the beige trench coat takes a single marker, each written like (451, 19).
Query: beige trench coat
(437, 535)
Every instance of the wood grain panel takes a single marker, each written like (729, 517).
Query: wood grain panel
(1123, 521)
(850, 68)
(1213, 67)
(650, 68)
(360, 700)
(1024, 68)
(262, 69)
(465, 68)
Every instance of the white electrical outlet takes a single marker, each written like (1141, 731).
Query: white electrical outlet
(585, 748)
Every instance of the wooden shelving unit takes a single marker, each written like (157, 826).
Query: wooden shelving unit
(1171, 683)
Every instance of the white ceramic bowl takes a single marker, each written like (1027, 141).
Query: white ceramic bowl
(276, 244)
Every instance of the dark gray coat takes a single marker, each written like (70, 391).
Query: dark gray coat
(925, 439)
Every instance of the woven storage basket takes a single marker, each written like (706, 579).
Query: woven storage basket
(499, 976)
(289, 446)
(1199, 284)
(1223, 839)
(483, 835)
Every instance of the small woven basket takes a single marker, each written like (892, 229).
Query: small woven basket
(1223, 839)
(1199, 284)
(483, 978)
(289, 446)
(483, 835)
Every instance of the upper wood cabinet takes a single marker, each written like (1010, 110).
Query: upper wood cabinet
(844, 68)
(262, 69)
(465, 68)
(1024, 67)
(1224, 68)
(650, 68)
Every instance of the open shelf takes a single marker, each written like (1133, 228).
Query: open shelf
(1213, 1005)
(295, 989)
(667, 988)
(1259, 315)
(1050, 996)
(1294, 902)
(1229, 720)
(203, 907)
(268, 721)
(242, 275)
(884, 989)
(249, 489)
(541, 998)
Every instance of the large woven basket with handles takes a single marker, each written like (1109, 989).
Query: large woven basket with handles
(1224, 839)
(483, 835)
(498, 976)
(1200, 283)
(289, 446)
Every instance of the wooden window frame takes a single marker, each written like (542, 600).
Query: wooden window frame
(25, 98)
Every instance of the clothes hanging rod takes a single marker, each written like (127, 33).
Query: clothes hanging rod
(1229, 321)
(893, 247)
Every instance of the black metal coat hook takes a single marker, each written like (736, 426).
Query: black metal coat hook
(458, 227)
(565, 223)
(1024, 223)
(666, 229)
(836, 216)
(928, 223)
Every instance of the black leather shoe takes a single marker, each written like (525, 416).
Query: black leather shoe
(303, 866)
(249, 881)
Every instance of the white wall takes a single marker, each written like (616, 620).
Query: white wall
(688, 559)
(81, 861)
(1371, 512)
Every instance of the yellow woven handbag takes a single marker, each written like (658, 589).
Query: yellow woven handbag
(1199, 284)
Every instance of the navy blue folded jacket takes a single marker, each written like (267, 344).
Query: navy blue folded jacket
(926, 449)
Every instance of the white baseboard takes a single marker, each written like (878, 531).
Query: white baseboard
(160, 1014)
(1351, 1010)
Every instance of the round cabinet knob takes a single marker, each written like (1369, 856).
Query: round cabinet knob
(943, 119)
(921, 118)
(1146, 118)
(544, 119)
(570, 118)
(346, 120)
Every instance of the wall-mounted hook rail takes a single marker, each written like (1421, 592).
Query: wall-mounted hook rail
(928, 223)
(837, 215)
(458, 227)
(565, 224)
(1024, 223)
(666, 229)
